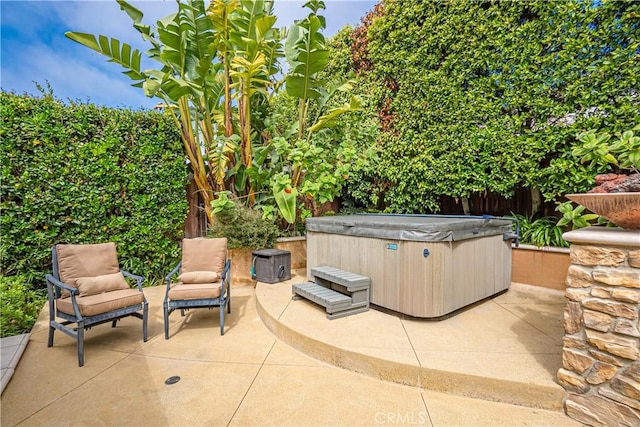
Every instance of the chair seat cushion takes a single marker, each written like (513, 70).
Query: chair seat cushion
(99, 284)
(181, 291)
(92, 305)
(199, 277)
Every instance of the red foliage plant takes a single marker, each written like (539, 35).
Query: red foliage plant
(360, 40)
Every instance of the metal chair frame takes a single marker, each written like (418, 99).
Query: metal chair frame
(54, 291)
(224, 300)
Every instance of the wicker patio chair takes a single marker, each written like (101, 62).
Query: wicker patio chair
(204, 280)
(88, 288)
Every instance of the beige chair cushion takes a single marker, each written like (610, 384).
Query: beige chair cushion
(204, 254)
(99, 284)
(101, 303)
(194, 291)
(75, 261)
(199, 277)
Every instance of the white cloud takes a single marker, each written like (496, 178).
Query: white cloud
(75, 78)
(105, 17)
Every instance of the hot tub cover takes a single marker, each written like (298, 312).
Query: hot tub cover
(425, 228)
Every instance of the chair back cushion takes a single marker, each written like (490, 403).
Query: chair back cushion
(99, 284)
(76, 261)
(204, 254)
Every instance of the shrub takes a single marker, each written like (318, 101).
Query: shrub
(244, 228)
(20, 305)
(541, 231)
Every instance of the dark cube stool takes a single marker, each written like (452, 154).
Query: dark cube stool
(271, 265)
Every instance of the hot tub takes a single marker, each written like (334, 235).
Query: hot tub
(420, 265)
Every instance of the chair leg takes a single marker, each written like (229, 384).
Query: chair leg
(80, 338)
(52, 318)
(222, 319)
(166, 321)
(113, 323)
(51, 331)
(145, 313)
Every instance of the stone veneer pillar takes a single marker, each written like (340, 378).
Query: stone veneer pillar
(601, 346)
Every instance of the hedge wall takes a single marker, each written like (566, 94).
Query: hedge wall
(85, 174)
(486, 97)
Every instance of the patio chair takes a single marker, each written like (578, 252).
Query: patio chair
(204, 280)
(88, 288)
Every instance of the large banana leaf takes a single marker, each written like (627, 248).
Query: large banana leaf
(274, 51)
(189, 43)
(219, 156)
(286, 201)
(221, 12)
(306, 53)
(327, 119)
(136, 16)
(120, 53)
(249, 13)
(250, 77)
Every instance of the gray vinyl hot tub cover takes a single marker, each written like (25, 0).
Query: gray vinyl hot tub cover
(424, 228)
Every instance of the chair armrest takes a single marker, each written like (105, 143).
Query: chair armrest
(227, 269)
(53, 282)
(57, 283)
(138, 279)
(225, 278)
(174, 271)
(167, 278)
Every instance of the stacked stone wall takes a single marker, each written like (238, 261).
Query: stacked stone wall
(601, 346)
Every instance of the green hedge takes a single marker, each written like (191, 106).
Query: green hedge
(80, 173)
(478, 97)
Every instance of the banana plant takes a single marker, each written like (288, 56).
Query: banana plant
(207, 57)
(307, 55)
(220, 12)
(249, 48)
(185, 82)
(249, 75)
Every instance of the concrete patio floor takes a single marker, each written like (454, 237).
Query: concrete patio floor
(368, 369)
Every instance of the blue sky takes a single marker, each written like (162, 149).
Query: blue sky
(33, 47)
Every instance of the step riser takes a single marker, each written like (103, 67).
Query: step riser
(342, 293)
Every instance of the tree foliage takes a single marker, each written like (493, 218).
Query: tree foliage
(209, 58)
(478, 97)
(87, 174)
(217, 80)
